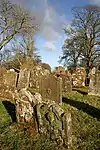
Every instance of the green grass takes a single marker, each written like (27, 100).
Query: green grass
(5, 119)
(14, 137)
(85, 111)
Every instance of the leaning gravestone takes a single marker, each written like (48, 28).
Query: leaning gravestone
(44, 117)
(51, 88)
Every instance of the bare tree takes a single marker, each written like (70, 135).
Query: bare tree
(85, 27)
(21, 50)
(72, 52)
(14, 20)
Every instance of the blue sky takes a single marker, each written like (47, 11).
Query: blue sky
(52, 16)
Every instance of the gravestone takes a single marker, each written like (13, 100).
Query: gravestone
(51, 88)
(78, 77)
(35, 75)
(60, 71)
(45, 117)
(94, 85)
(66, 83)
(2, 72)
(10, 79)
(25, 102)
(66, 78)
(7, 83)
(24, 77)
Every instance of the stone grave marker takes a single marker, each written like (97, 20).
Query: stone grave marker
(78, 77)
(66, 83)
(7, 83)
(94, 85)
(35, 75)
(24, 77)
(51, 88)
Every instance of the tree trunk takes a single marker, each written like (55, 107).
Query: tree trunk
(87, 73)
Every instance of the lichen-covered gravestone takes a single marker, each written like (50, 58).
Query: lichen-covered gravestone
(94, 85)
(8, 81)
(66, 82)
(51, 88)
(24, 77)
(44, 116)
(60, 71)
(78, 77)
(66, 78)
(35, 75)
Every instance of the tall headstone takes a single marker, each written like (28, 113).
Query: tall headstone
(23, 80)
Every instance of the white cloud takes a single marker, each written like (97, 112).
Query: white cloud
(51, 26)
(95, 2)
(49, 45)
(50, 21)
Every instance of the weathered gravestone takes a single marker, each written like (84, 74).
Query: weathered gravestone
(24, 77)
(25, 102)
(8, 81)
(94, 85)
(78, 77)
(51, 88)
(66, 82)
(60, 71)
(44, 116)
(35, 75)
(29, 76)
(66, 78)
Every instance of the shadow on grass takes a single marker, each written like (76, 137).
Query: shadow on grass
(81, 92)
(10, 107)
(94, 112)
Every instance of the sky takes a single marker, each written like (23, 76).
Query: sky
(52, 16)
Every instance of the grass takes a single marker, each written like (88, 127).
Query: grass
(5, 119)
(15, 137)
(85, 111)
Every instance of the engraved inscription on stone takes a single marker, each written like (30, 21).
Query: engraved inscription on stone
(51, 88)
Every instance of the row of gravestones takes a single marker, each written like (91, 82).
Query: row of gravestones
(49, 84)
(74, 78)
(42, 111)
